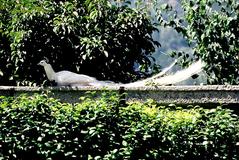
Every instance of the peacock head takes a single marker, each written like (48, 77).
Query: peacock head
(43, 62)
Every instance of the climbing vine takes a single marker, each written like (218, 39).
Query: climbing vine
(211, 28)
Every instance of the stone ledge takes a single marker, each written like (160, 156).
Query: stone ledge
(183, 95)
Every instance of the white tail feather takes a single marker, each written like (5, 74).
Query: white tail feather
(165, 70)
(179, 76)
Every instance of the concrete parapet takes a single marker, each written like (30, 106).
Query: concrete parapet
(183, 95)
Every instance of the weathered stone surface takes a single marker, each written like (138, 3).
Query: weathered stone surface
(183, 95)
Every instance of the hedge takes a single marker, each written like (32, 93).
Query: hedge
(40, 127)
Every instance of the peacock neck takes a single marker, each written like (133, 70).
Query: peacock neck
(50, 73)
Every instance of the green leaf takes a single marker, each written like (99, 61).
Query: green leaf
(106, 53)
(1, 73)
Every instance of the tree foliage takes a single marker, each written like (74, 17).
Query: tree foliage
(96, 37)
(211, 28)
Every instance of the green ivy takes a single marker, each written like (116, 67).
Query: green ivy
(41, 127)
(211, 28)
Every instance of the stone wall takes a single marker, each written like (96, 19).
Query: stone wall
(208, 95)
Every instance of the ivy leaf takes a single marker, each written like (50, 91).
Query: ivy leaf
(1, 73)
(106, 54)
